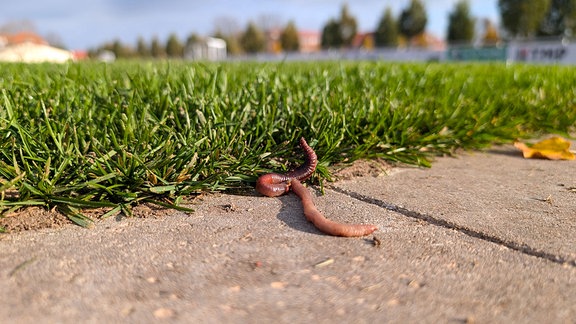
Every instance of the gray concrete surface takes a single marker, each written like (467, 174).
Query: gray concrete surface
(481, 238)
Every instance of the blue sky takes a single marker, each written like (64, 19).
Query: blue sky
(87, 24)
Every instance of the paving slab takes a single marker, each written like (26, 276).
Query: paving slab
(528, 204)
(252, 259)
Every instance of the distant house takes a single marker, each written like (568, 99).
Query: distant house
(21, 38)
(310, 41)
(208, 49)
(363, 41)
(429, 41)
(425, 40)
(106, 56)
(34, 53)
(80, 55)
(273, 41)
(28, 47)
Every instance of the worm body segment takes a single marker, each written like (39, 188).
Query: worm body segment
(275, 184)
(322, 223)
(304, 171)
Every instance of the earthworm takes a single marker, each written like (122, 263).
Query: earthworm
(275, 184)
(304, 171)
(322, 223)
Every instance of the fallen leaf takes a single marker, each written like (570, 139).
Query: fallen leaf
(554, 148)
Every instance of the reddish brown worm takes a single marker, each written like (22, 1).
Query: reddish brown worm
(275, 184)
(322, 223)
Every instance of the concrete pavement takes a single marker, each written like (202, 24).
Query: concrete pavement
(486, 237)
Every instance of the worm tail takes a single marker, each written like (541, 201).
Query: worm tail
(322, 223)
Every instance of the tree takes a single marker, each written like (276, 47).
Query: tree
(387, 32)
(413, 20)
(54, 40)
(141, 47)
(17, 26)
(269, 21)
(174, 47)
(192, 39)
(156, 49)
(253, 39)
(341, 32)
(120, 50)
(289, 38)
(331, 37)
(460, 24)
(491, 37)
(227, 25)
(228, 29)
(347, 25)
(560, 19)
(232, 42)
(521, 18)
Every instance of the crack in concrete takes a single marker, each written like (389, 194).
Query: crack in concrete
(522, 248)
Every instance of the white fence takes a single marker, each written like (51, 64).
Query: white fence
(538, 52)
(542, 52)
(383, 54)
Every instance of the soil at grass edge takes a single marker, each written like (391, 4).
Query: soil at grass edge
(37, 218)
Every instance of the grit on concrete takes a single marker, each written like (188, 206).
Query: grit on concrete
(485, 237)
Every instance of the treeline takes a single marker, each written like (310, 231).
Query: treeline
(519, 19)
(538, 18)
(172, 48)
(253, 40)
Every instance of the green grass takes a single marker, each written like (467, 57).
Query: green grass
(96, 135)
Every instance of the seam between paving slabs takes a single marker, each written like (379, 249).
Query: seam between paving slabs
(522, 248)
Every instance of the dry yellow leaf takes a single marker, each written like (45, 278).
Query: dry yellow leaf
(554, 148)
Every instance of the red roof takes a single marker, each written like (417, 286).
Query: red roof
(23, 37)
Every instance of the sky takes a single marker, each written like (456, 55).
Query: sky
(82, 25)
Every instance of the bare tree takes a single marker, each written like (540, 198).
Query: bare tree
(228, 29)
(17, 26)
(226, 25)
(268, 22)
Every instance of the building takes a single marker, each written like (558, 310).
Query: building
(29, 47)
(363, 41)
(20, 38)
(34, 53)
(273, 41)
(207, 49)
(310, 41)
